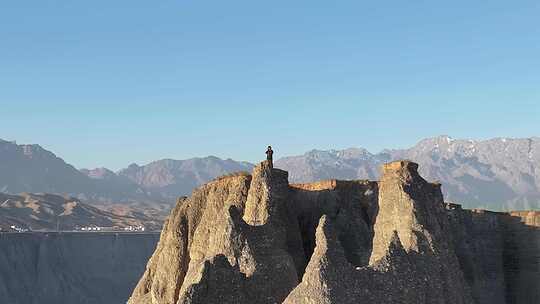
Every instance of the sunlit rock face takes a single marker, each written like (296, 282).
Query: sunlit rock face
(411, 261)
(258, 239)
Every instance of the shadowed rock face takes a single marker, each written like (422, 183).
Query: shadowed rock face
(67, 268)
(257, 239)
(499, 253)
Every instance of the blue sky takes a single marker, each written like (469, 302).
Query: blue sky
(107, 83)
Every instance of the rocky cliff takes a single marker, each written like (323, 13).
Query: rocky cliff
(67, 268)
(499, 253)
(258, 239)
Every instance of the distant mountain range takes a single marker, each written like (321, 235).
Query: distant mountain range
(497, 174)
(171, 178)
(30, 168)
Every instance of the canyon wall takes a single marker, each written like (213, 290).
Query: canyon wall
(67, 268)
(499, 253)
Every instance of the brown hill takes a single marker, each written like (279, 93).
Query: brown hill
(52, 212)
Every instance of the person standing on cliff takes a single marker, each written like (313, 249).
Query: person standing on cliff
(269, 156)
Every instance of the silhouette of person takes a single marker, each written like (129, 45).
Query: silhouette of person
(269, 156)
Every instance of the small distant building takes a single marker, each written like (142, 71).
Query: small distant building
(452, 206)
(18, 229)
(89, 228)
(134, 228)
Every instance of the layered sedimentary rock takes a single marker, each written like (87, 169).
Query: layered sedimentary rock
(257, 239)
(207, 236)
(499, 253)
(411, 261)
(67, 268)
(522, 256)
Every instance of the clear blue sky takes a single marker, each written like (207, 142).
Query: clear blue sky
(106, 83)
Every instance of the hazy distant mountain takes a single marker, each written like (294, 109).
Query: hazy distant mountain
(30, 168)
(496, 174)
(172, 178)
(51, 212)
(350, 163)
(118, 187)
(500, 174)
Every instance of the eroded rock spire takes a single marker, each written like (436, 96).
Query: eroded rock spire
(257, 239)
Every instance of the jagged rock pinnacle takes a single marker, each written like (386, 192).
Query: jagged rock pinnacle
(268, 187)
